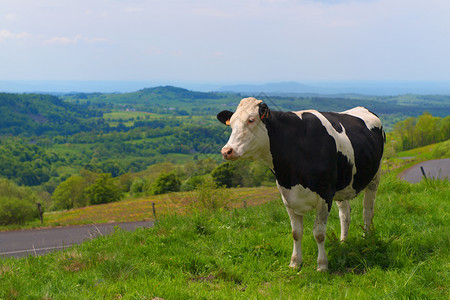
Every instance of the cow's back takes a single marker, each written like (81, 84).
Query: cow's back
(364, 130)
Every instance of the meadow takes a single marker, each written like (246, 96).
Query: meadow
(231, 252)
(215, 243)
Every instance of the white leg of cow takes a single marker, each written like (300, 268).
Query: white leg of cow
(297, 235)
(320, 227)
(344, 216)
(369, 202)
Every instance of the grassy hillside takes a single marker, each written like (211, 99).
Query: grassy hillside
(244, 254)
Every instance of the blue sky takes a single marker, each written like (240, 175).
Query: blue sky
(225, 41)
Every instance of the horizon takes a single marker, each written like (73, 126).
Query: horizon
(363, 87)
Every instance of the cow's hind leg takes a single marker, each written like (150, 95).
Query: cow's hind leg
(369, 201)
(297, 235)
(320, 227)
(344, 216)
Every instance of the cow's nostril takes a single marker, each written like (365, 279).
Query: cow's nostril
(227, 152)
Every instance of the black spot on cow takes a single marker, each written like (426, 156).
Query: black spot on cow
(344, 172)
(333, 118)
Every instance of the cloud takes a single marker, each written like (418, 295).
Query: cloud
(6, 34)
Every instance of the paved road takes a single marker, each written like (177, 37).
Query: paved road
(22, 243)
(437, 168)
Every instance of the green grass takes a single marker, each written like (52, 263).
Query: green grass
(244, 254)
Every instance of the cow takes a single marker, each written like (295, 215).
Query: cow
(316, 157)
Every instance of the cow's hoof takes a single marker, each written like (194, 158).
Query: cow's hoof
(322, 269)
(295, 266)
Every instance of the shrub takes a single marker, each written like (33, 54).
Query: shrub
(17, 204)
(165, 183)
(224, 175)
(137, 186)
(208, 197)
(16, 211)
(192, 183)
(70, 193)
(104, 190)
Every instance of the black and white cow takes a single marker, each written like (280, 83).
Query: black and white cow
(317, 157)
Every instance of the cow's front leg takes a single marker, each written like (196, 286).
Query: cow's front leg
(320, 227)
(297, 235)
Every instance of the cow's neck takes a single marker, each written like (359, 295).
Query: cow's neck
(266, 157)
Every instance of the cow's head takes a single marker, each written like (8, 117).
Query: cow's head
(249, 138)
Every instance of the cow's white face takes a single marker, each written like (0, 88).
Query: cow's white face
(249, 137)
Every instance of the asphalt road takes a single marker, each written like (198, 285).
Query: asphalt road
(22, 243)
(437, 168)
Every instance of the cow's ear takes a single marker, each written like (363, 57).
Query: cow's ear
(225, 116)
(264, 111)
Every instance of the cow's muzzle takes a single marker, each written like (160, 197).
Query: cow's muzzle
(228, 153)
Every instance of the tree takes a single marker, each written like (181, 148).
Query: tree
(70, 193)
(409, 126)
(224, 175)
(427, 129)
(165, 183)
(104, 190)
(444, 127)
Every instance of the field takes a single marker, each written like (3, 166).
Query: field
(243, 253)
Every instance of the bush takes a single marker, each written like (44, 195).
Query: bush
(137, 186)
(192, 183)
(16, 211)
(70, 193)
(208, 197)
(242, 173)
(165, 183)
(104, 190)
(224, 175)
(17, 204)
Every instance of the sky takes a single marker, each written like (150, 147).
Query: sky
(225, 41)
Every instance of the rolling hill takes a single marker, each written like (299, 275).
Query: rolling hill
(36, 114)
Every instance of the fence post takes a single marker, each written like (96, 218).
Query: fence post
(41, 213)
(154, 210)
(423, 172)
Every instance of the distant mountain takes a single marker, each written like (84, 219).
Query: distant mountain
(379, 88)
(36, 114)
(160, 94)
(272, 88)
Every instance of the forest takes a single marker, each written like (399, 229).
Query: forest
(79, 149)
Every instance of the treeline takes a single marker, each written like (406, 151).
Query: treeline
(89, 188)
(421, 131)
(33, 162)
